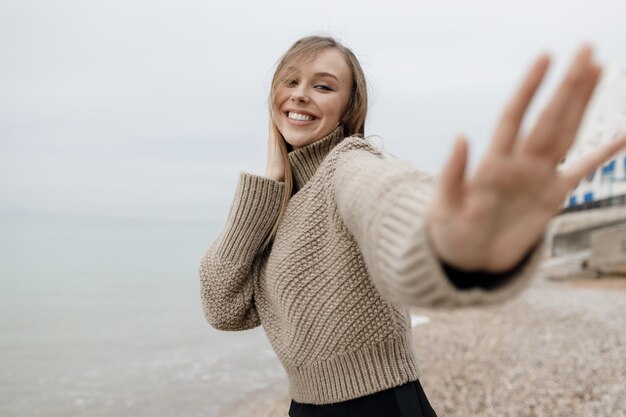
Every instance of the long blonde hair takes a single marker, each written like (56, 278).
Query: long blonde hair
(353, 120)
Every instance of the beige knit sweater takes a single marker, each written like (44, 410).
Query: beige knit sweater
(349, 256)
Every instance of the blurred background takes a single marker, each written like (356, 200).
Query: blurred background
(123, 128)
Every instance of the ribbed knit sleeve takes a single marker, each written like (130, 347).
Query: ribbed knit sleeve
(227, 267)
(382, 202)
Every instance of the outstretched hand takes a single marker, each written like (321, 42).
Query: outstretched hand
(490, 220)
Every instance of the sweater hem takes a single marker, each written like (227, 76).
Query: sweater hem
(355, 374)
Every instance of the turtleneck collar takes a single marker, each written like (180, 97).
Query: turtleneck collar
(305, 161)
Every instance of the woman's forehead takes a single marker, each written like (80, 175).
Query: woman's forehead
(329, 61)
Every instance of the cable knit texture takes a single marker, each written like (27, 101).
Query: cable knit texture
(349, 256)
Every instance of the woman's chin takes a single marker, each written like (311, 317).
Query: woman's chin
(298, 141)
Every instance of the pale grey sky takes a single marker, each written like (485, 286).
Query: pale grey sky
(152, 108)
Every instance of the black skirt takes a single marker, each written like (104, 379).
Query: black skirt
(407, 400)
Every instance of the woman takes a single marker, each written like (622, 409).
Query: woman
(332, 245)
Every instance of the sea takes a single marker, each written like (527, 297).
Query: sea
(101, 316)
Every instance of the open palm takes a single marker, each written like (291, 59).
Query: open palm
(490, 220)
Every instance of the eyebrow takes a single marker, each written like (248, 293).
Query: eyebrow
(325, 74)
(317, 74)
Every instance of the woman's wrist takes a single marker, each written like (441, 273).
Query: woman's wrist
(465, 279)
(275, 176)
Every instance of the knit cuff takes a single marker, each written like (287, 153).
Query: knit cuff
(252, 215)
(465, 279)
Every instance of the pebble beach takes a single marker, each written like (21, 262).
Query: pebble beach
(559, 349)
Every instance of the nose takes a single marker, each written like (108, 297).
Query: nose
(299, 96)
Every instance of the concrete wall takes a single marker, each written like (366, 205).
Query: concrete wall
(581, 239)
(608, 250)
(570, 232)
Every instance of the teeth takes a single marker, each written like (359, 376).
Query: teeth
(298, 116)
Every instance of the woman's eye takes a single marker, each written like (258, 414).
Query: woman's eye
(291, 82)
(324, 87)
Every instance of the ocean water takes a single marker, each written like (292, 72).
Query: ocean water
(102, 317)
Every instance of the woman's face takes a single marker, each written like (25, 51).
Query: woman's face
(311, 101)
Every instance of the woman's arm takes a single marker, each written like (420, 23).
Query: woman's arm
(227, 268)
(383, 203)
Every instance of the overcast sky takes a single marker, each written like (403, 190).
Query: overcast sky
(152, 108)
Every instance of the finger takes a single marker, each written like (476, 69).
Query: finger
(574, 115)
(547, 134)
(592, 161)
(453, 174)
(511, 119)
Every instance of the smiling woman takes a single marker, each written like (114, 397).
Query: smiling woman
(311, 99)
(329, 249)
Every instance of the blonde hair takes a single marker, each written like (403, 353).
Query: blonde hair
(353, 120)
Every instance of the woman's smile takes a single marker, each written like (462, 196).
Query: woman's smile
(300, 118)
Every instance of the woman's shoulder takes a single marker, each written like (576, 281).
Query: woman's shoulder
(356, 153)
(357, 147)
(364, 152)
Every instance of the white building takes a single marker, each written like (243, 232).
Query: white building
(604, 120)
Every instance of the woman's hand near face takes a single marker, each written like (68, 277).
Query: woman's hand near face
(490, 220)
(275, 166)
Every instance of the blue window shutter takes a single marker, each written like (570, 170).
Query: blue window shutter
(588, 197)
(608, 169)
